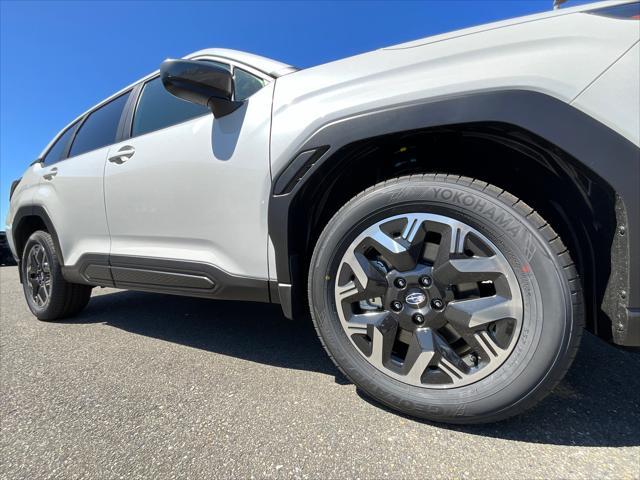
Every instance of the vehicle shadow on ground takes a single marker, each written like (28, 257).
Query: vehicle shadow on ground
(598, 403)
(249, 330)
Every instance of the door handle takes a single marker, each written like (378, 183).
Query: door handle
(122, 155)
(50, 174)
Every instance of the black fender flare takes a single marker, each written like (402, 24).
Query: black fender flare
(610, 155)
(40, 212)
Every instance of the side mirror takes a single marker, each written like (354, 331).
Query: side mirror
(201, 83)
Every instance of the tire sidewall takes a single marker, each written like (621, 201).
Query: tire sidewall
(547, 322)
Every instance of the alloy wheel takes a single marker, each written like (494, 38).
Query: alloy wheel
(428, 300)
(39, 275)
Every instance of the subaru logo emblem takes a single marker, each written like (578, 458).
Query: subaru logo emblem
(415, 298)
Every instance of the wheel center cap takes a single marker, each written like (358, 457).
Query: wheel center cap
(416, 299)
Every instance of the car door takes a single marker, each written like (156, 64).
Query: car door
(186, 195)
(71, 190)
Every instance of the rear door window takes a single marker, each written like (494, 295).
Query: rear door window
(100, 128)
(58, 150)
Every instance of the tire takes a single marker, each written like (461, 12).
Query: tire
(477, 362)
(49, 296)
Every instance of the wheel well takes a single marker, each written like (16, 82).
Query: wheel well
(26, 226)
(575, 201)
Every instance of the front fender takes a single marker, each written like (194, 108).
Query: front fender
(599, 148)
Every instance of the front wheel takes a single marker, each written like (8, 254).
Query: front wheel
(446, 298)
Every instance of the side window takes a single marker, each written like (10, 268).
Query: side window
(158, 109)
(246, 84)
(59, 149)
(101, 128)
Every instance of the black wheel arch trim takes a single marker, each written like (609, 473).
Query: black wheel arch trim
(602, 150)
(34, 211)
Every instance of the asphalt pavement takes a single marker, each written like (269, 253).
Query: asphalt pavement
(154, 386)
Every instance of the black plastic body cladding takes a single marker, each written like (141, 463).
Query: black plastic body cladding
(609, 155)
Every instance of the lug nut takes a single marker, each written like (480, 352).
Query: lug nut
(437, 304)
(474, 359)
(418, 319)
(396, 305)
(400, 282)
(426, 281)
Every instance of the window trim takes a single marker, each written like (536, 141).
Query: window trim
(130, 110)
(234, 63)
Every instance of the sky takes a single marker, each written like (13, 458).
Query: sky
(57, 59)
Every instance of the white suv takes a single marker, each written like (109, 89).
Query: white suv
(451, 211)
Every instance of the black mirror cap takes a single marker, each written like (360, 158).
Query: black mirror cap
(200, 83)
